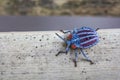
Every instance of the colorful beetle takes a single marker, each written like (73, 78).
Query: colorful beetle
(81, 38)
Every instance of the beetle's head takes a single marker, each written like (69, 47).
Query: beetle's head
(69, 42)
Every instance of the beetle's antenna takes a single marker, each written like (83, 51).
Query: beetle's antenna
(60, 37)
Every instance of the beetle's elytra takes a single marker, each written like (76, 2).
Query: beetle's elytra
(81, 38)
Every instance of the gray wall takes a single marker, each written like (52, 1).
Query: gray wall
(30, 23)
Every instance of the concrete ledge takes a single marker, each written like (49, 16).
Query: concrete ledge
(31, 56)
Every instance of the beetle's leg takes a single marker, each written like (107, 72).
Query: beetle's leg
(76, 58)
(65, 31)
(66, 51)
(86, 56)
(68, 46)
(97, 29)
(79, 51)
(60, 52)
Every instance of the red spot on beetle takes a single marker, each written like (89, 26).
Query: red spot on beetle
(73, 46)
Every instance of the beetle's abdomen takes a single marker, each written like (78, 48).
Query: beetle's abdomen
(88, 37)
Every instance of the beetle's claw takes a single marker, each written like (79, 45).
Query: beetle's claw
(66, 52)
(75, 63)
(91, 62)
(61, 30)
(57, 54)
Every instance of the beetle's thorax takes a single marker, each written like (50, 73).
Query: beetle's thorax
(73, 41)
(74, 38)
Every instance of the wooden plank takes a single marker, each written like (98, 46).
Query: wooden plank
(31, 56)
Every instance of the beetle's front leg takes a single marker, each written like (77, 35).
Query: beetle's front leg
(66, 51)
(61, 52)
(65, 31)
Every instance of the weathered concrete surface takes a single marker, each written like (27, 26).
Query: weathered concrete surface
(31, 56)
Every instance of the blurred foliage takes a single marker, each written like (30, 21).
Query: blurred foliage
(19, 6)
(60, 7)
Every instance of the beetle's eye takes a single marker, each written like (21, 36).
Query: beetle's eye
(69, 37)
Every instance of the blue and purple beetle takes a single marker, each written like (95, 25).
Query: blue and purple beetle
(82, 38)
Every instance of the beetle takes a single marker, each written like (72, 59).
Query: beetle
(81, 38)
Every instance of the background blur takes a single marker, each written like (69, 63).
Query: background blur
(60, 7)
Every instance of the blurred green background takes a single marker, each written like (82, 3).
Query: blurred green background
(60, 7)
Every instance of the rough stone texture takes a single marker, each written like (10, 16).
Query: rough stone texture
(31, 56)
